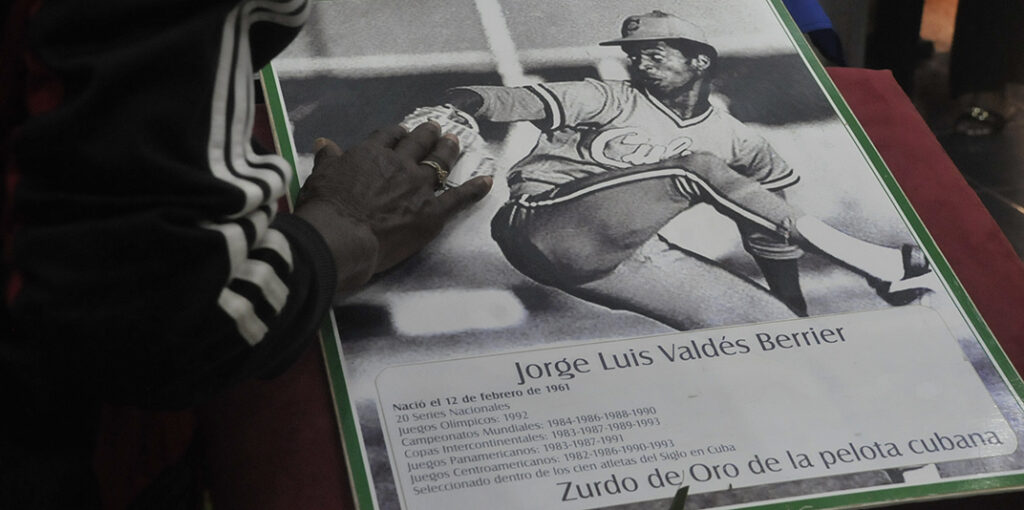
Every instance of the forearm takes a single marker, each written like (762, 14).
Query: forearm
(497, 104)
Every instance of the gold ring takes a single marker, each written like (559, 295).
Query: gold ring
(441, 173)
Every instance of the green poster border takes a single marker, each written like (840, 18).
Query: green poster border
(350, 436)
(329, 342)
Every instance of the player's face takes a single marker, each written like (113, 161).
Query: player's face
(660, 67)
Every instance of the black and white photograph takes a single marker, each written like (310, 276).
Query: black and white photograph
(658, 167)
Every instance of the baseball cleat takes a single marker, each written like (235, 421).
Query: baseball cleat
(918, 279)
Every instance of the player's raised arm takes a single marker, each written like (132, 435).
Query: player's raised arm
(497, 104)
(464, 99)
(549, 106)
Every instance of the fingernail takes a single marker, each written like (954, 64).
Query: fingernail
(483, 190)
(319, 143)
(434, 123)
(451, 137)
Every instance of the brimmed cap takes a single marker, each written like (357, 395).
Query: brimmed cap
(656, 26)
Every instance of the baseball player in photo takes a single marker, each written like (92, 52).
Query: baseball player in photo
(617, 160)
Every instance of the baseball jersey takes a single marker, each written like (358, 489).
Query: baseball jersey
(592, 127)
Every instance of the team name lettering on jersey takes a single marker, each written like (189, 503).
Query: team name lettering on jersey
(628, 146)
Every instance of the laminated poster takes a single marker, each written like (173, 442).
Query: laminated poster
(693, 270)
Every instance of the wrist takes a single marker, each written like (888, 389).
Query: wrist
(352, 243)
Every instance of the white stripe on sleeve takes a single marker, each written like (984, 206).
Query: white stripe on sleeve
(261, 179)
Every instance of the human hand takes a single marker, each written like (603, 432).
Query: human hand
(375, 204)
(476, 158)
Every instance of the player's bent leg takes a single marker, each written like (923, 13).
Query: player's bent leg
(744, 200)
(899, 275)
(917, 280)
(709, 179)
(511, 229)
(583, 230)
(682, 290)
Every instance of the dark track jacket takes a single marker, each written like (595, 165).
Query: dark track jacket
(144, 257)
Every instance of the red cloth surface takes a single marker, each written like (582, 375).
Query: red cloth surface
(968, 237)
(275, 444)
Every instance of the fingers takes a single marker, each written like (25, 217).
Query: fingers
(458, 198)
(388, 136)
(324, 148)
(445, 153)
(419, 142)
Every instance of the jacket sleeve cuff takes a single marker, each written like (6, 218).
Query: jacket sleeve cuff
(313, 283)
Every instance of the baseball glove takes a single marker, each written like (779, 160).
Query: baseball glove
(476, 158)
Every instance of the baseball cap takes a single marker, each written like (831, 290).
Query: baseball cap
(657, 25)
